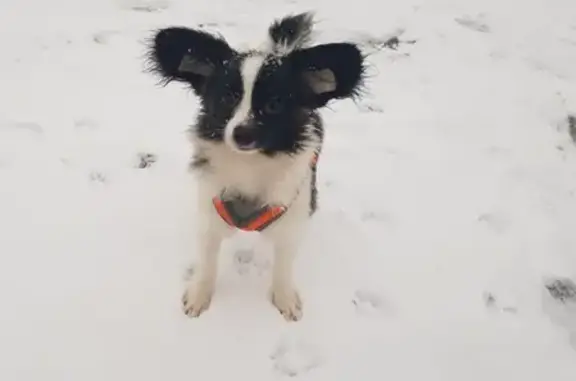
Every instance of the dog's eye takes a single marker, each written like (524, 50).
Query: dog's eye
(274, 106)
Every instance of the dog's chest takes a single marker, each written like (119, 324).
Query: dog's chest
(254, 176)
(245, 175)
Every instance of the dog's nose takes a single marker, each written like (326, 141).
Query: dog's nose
(245, 137)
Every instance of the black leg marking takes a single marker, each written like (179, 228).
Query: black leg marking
(313, 192)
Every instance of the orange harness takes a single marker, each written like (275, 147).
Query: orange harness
(247, 215)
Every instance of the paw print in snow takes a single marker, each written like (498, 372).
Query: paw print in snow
(560, 304)
(32, 127)
(243, 260)
(370, 107)
(86, 124)
(382, 218)
(246, 261)
(492, 303)
(145, 160)
(97, 177)
(294, 357)
(475, 23)
(370, 302)
(563, 290)
(103, 37)
(494, 222)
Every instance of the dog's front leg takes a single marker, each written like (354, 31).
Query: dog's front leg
(286, 238)
(211, 231)
(283, 293)
(200, 287)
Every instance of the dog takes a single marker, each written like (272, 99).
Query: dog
(256, 139)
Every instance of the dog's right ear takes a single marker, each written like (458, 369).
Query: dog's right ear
(187, 55)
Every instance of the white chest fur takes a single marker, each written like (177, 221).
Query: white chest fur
(271, 179)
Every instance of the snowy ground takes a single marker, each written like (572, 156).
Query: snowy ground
(448, 200)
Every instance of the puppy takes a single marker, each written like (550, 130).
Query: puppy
(256, 139)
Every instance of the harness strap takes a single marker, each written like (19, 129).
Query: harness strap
(246, 216)
(258, 220)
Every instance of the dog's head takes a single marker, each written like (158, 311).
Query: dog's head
(262, 100)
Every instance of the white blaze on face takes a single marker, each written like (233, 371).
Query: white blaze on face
(248, 72)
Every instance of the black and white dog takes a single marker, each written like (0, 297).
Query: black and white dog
(256, 139)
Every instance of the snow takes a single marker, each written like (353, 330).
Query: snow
(447, 200)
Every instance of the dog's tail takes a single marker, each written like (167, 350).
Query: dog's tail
(291, 32)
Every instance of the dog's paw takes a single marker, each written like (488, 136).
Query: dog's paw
(196, 299)
(288, 302)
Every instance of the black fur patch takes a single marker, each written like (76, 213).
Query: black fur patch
(170, 46)
(313, 191)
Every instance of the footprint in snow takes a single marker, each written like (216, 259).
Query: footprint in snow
(562, 290)
(242, 260)
(473, 23)
(22, 126)
(376, 216)
(494, 221)
(493, 303)
(293, 357)
(370, 107)
(103, 37)
(145, 160)
(560, 304)
(85, 124)
(368, 302)
(390, 41)
(97, 177)
(245, 261)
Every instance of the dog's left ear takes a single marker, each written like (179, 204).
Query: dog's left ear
(330, 71)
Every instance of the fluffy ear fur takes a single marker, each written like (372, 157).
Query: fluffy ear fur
(331, 71)
(187, 55)
(291, 32)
